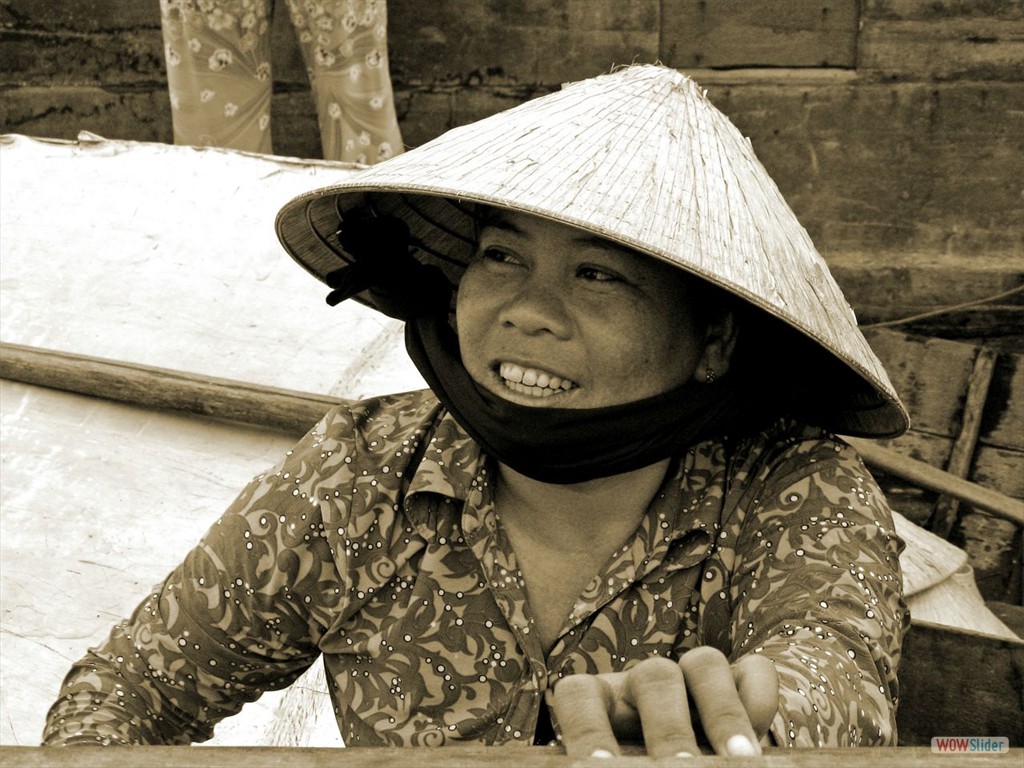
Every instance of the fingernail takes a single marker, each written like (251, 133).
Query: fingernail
(602, 754)
(740, 745)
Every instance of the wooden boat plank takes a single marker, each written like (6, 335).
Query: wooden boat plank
(1003, 425)
(931, 376)
(1000, 468)
(959, 683)
(479, 757)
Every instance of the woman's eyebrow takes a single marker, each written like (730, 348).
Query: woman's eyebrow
(596, 241)
(497, 221)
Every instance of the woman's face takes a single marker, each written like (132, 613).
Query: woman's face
(552, 316)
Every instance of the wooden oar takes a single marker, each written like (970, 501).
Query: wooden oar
(297, 411)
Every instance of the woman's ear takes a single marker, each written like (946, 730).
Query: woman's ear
(719, 344)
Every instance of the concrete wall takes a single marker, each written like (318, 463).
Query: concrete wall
(893, 127)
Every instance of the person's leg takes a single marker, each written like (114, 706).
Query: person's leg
(344, 44)
(218, 71)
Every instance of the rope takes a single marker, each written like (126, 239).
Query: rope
(944, 310)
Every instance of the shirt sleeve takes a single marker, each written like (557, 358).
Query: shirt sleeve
(817, 588)
(241, 614)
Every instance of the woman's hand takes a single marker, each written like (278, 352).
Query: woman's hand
(734, 704)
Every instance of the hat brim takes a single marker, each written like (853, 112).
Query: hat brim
(443, 226)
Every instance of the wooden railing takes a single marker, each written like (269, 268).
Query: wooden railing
(471, 757)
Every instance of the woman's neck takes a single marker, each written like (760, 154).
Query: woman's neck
(563, 535)
(607, 509)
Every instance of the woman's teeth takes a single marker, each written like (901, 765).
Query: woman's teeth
(531, 381)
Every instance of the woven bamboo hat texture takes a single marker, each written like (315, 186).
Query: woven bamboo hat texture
(642, 158)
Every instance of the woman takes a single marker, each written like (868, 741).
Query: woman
(619, 492)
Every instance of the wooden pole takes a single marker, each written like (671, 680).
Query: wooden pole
(935, 479)
(151, 387)
(962, 454)
(298, 411)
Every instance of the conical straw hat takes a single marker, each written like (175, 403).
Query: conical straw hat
(640, 157)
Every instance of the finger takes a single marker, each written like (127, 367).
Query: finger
(582, 706)
(655, 688)
(709, 679)
(758, 685)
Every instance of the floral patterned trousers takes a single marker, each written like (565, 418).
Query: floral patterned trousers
(219, 74)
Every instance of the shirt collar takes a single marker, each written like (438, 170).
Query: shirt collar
(450, 462)
(687, 509)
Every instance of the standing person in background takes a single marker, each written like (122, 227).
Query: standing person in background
(220, 81)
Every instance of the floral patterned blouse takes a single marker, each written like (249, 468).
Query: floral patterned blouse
(375, 544)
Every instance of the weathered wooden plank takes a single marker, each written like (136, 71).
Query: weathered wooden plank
(993, 548)
(1001, 468)
(1003, 426)
(81, 15)
(121, 58)
(931, 449)
(959, 683)
(876, 167)
(62, 111)
(123, 48)
(467, 757)
(737, 33)
(607, 15)
(975, 49)
(934, 378)
(930, 375)
(942, 9)
(530, 41)
(991, 321)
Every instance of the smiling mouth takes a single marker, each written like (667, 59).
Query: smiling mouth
(532, 382)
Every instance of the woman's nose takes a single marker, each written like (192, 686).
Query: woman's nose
(535, 308)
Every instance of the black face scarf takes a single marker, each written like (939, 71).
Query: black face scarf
(552, 445)
(573, 445)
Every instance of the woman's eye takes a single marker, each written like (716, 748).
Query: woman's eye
(498, 256)
(598, 275)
